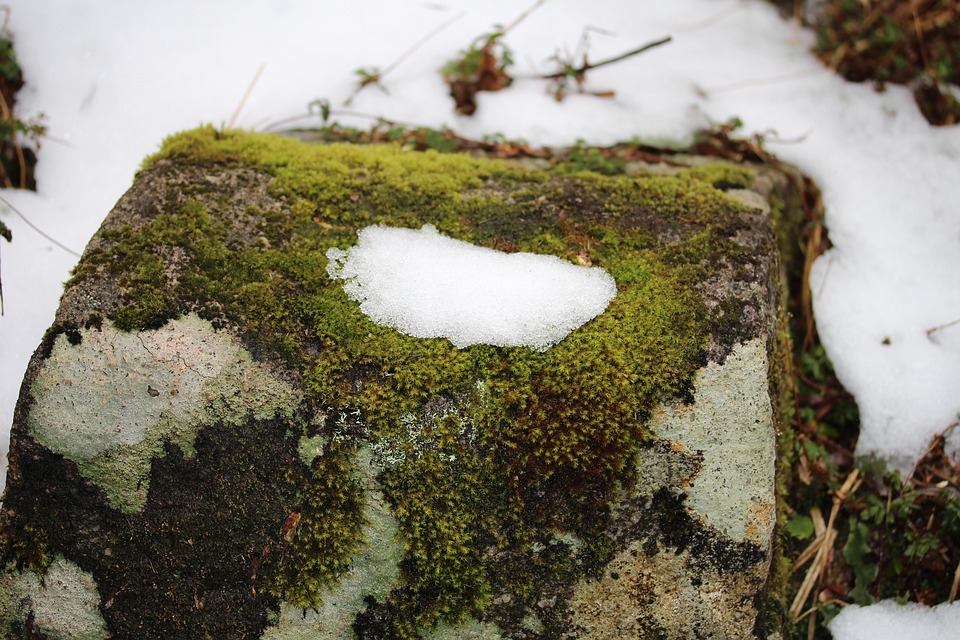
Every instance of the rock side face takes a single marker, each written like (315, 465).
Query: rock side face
(214, 441)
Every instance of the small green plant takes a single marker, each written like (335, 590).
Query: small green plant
(368, 76)
(480, 67)
(586, 158)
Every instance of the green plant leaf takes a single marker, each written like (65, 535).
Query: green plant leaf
(800, 527)
(855, 552)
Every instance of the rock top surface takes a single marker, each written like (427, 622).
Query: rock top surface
(215, 441)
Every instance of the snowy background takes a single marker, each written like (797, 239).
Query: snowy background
(115, 78)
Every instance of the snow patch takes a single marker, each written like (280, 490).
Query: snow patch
(888, 620)
(428, 285)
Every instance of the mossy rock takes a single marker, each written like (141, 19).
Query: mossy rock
(216, 442)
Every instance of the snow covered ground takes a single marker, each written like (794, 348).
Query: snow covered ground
(114, 78)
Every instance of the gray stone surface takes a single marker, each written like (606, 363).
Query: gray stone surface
(723, 446)
(214, 442)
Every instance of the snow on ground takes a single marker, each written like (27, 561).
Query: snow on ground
(887, 620)
(115, 78)
(428, 285)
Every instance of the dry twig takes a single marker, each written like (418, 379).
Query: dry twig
(822, 544)
(375, 76)
(246, 96)
(37, 229)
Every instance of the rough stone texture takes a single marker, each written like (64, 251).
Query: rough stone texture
(65, 607)
(118, 391)
(213, 442)
(722, 446)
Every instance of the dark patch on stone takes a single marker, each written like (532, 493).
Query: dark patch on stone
(228, 502)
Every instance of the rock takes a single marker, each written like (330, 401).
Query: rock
(213, 441)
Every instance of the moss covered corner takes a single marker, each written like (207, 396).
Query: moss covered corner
(499, 466)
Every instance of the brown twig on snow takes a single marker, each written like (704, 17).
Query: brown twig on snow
(522, 17)
(376, 76)
(578, 72)
(35, 228)
(946, 325)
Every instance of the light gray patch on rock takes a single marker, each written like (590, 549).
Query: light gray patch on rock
(720, 451)
(730, 424)
(471, 630)
(109, 402)
(65, 607)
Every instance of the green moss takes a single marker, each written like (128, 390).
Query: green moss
(319, 539)
(486, 452)
(722, 175)
(27, 547)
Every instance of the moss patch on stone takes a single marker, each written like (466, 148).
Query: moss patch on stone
(486, 455)
(722, 175)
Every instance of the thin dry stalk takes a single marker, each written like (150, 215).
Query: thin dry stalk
(246, 96)
(523, 16)
(35, 228)
(956, 584)
(946, 325)
(755, 82)
(813, 574)
(717, 17)
(568, 70)
(376, 78)
(824, 551)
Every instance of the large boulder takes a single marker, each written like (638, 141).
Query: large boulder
(217, 440)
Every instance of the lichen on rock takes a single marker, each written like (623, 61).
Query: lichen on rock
(109, 401)
(62, 604)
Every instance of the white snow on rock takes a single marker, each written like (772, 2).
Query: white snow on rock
(888, 620)
(428, 285)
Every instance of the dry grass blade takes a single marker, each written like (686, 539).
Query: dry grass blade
(756, 82)
(375, 77)
(819, 527)
(824, 551)
(813, 573)
(523, 16)
(37, 229)
(246, 96)
(941, 327)
(956, 584)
